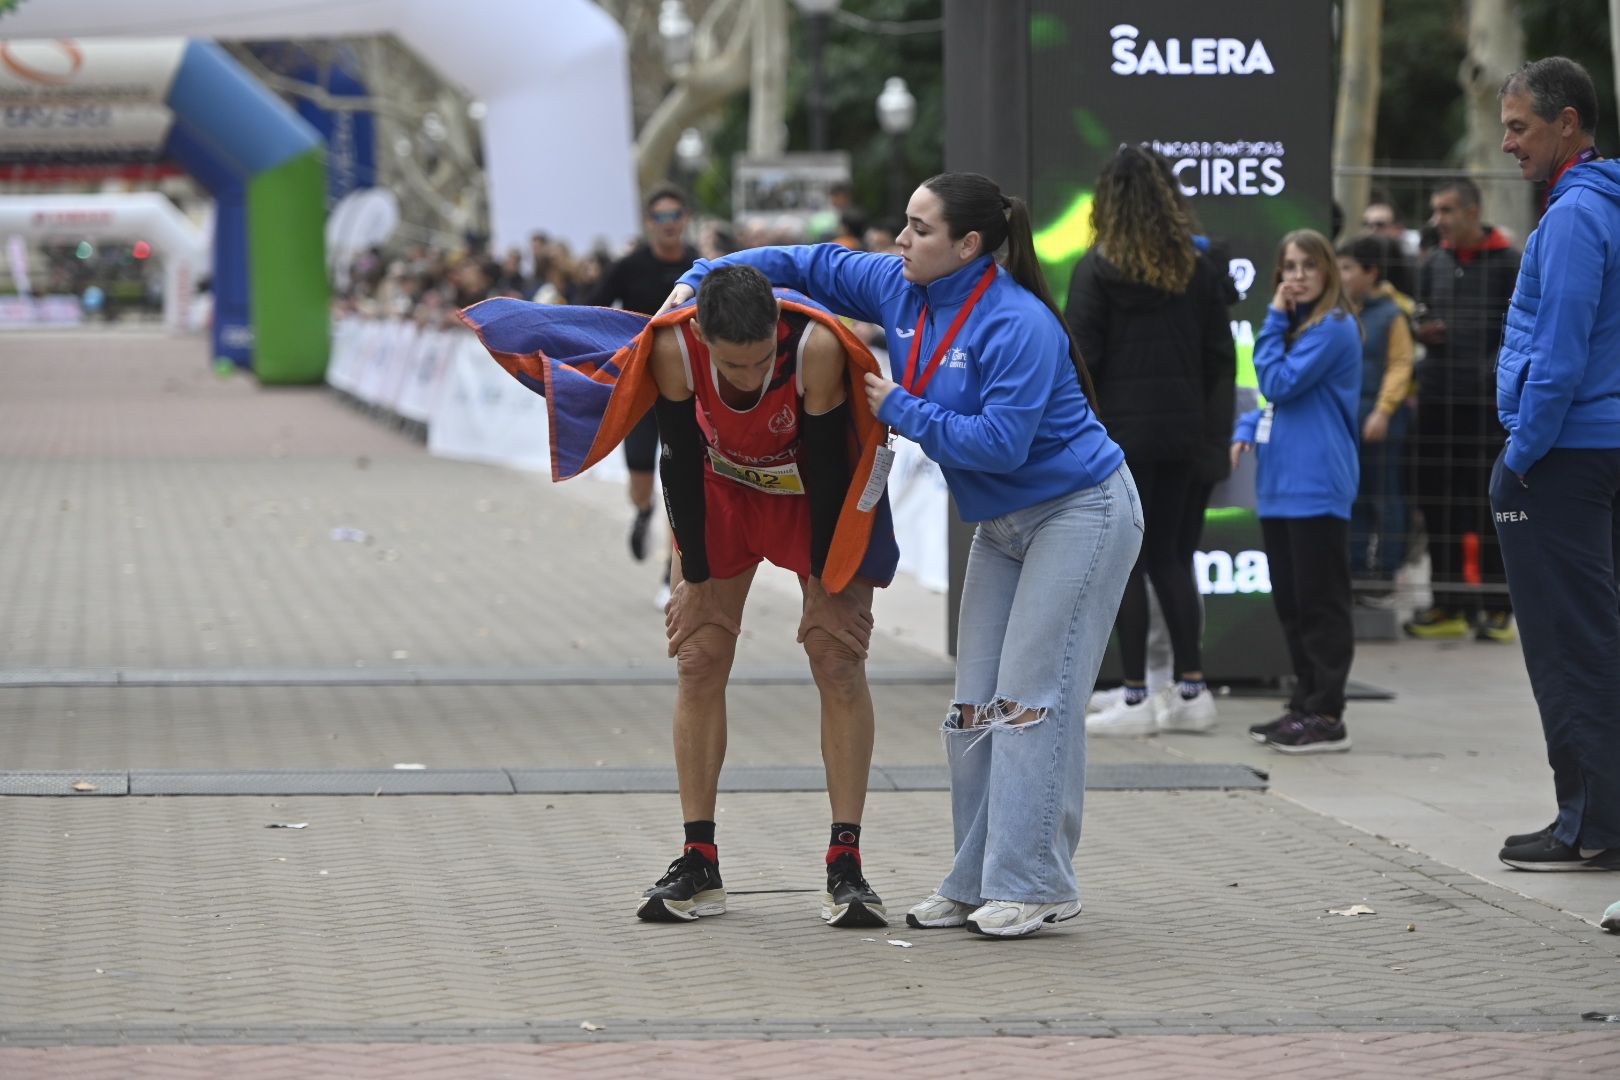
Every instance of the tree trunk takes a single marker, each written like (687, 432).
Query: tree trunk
(1495, 51)
(1355, 122)
(710, 80)
(767, 105)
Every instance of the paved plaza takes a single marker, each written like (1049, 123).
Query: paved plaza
(178, 613)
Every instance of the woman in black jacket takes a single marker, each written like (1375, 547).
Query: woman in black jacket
(1149, 312)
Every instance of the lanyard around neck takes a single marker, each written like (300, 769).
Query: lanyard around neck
(911, 380)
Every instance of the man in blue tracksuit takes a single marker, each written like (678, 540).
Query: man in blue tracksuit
(1555, 490)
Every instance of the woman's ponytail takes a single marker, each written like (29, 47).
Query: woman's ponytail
(1025, 267)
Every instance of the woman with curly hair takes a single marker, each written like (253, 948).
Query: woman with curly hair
(1148, 310)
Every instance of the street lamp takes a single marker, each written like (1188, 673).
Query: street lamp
(815, 15)
(692, 154)
(675, 33)
(896, 112)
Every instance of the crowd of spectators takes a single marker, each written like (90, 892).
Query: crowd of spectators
(429, 282)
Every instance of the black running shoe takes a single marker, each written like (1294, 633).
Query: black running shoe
(1260, 732)
(1549, 853)
(638, 534)
(1313, 734)
(1520, 839)
(849, 900)
(689, 888)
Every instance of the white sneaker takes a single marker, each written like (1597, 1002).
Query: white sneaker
(1011, 918)
(1123, 719)
(1173, 712)
(1103, 699)
(938, 911)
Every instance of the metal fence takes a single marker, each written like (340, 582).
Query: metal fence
(1422, 531)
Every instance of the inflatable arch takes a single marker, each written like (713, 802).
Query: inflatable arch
(145, 215)
(553, 77)
(191, 102)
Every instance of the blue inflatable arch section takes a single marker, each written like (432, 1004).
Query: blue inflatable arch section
(264, 165)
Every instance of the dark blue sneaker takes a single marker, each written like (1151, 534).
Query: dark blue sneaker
(1550, 853)
(1313, 734)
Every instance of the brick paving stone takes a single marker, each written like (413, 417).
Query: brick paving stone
(1170, 1057)
(174, 919)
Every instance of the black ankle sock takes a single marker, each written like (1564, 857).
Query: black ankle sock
(700, 837)
(846, 840)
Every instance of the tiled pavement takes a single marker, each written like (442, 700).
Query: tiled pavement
(158, 519)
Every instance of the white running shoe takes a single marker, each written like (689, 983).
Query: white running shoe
(1172, 712)
(938, 911)
(1104, 699)
(1011, 918)
(1123, 719)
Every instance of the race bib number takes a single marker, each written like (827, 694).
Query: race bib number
(771, 479)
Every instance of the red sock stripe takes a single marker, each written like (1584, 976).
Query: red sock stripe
(835, 850)
(708, 851)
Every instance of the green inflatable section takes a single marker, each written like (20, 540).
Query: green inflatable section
(286, 211)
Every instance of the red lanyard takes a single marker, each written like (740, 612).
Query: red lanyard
(911, 381)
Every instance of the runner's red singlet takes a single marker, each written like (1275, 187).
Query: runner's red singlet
(753, 488)
(764, 436)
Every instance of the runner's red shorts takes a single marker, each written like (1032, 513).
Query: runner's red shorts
(744, 526)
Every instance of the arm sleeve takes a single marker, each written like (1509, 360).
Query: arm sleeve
(1284, 372)
(1570, 261)
(853, 283)
(1016, 373)
(1397, 368)
(681, 474)
(825, 464)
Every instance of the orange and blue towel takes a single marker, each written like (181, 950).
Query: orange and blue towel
(592, 366)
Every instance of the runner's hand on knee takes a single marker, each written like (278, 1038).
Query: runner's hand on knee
(841, 615)
(690, 607)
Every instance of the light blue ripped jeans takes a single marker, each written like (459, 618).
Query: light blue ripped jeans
(1043, 586)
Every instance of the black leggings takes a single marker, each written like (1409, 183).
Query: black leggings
(641, 445)
(1167, 489)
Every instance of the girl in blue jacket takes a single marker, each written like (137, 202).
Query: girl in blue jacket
(1308, 361)
(995, 391)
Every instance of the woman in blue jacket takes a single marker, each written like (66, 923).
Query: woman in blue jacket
(1308, 361)
(996, 392)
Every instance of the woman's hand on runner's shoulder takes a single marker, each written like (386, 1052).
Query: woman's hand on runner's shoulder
(679, 295)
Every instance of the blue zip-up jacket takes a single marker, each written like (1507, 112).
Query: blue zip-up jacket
(1004, 415)
(1558, 374)
(1309, 467)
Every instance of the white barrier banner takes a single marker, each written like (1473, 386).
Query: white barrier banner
(486, 415)
(429, 368)
(921, 505)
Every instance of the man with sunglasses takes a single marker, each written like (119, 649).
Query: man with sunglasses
(639, 282)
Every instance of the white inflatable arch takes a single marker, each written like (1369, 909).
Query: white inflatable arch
(554, 76)
(181, 246)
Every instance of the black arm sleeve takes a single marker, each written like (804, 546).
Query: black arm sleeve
(825, 465)
(681, 474)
